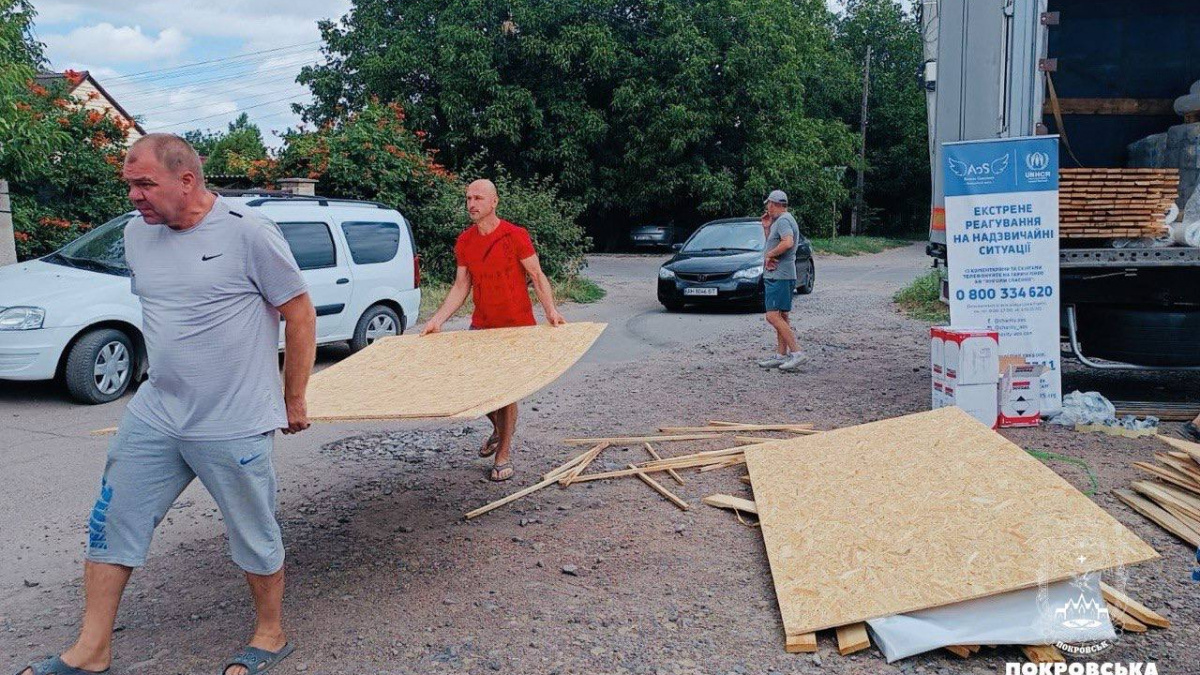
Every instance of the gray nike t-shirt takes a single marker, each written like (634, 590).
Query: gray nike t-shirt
(209, 296)
(783, 226)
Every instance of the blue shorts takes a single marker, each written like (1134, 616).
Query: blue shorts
(147, 470)
(777, 294)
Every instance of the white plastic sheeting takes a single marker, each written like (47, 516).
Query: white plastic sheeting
(1066, 611)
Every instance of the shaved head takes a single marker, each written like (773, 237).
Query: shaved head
(481, 201)
(172, 152)
(166, 181)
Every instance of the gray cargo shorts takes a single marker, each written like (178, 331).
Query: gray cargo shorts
(147, 470)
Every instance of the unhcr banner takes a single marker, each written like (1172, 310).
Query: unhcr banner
(1002, 248)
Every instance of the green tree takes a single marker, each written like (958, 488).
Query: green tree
(20, 58)
(73, 181)
(232, 151)
(644, 109)
(374, 155)
(897, 178)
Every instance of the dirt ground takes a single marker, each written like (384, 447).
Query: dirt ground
(385, 576)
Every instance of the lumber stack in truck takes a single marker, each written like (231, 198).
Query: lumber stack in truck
(1111, 203)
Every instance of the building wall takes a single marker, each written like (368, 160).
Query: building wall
(83, 93)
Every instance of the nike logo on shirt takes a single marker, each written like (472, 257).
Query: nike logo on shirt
(210, 257)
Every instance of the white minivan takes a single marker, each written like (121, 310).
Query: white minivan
(71, 315)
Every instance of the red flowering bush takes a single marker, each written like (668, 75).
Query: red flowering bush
(73, 184)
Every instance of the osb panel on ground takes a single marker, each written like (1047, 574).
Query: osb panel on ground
(461, 374)
(917, 512)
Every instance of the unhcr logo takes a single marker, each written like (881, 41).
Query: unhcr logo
(1037, 167)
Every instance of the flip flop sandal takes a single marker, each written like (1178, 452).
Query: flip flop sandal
(256, 660)
(495, 475)
(55, 666)
(490, 448)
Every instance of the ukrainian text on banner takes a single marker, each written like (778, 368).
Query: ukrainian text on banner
(1002, 247)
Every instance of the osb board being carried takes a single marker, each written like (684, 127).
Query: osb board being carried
(918, 512)
(461, 374)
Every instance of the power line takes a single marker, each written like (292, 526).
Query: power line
(231, 112)
(223, 76)
(191, 96)
(209, 61)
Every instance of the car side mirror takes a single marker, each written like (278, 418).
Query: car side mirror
(676, 247)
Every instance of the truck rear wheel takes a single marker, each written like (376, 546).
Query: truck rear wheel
(1147, 337)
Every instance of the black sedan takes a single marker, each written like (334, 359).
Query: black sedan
(722, 264)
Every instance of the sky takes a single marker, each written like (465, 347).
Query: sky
(142, 52)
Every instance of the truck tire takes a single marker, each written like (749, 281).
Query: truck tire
(378, 321)
(1145, 337)
(100, 366)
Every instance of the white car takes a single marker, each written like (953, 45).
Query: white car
(72, 316)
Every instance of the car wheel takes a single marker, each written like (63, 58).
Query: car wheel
(673, 305)
(808, 279)
(377, 322)
(99, 366)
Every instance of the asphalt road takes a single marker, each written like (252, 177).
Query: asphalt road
(53, 464)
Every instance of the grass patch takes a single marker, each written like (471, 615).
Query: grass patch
(575, 289)
(849, 246)
(921, 299)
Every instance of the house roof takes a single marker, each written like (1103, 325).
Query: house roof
(81, 77)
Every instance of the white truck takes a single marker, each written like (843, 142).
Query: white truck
(1114, 68)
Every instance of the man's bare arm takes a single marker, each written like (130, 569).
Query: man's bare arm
(781, 248)
(543, 289)
(459, 291)
(299, 353)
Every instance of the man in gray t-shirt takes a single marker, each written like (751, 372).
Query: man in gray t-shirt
(214, 279)
(779, 281)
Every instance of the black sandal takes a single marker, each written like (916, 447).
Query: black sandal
(496, 475)
(492, 445)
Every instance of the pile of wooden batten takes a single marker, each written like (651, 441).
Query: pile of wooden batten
(1171, 497)
(573, 470)
(1115, 203)
(1127, 613)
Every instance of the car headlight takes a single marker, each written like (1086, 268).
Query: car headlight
(665, 273)
(749, 273)
(21, 318)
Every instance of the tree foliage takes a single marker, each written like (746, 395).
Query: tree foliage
(73, 181)
(661, 109)
(897, 179)
(231, 152)
(373, 154)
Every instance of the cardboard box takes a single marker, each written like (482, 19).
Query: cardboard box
(937, 356)
(1021, 394)
(978, 400)
(972, 356)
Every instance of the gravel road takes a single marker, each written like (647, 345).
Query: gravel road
(603, 577)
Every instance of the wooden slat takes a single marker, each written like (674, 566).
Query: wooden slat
(1124, 621)
(1132, 607)
(732, 503)
(1156, 514)
(726, 428)
(588, 457)
(657, 487)
(1155, 107)
(961, 651)
(852, 638)
(804, 643)
(1043, 653)
(1166, 494)
(635, 440)
(670, 472)
(1192, 449)
(1170, 475)
(511, 498)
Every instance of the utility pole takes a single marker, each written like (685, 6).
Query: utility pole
(8, 243)
(856, 213)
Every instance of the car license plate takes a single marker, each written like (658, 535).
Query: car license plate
(699, 291)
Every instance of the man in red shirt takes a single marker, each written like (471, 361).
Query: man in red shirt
(495, 258)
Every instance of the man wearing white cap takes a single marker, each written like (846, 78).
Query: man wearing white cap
(779, 279)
